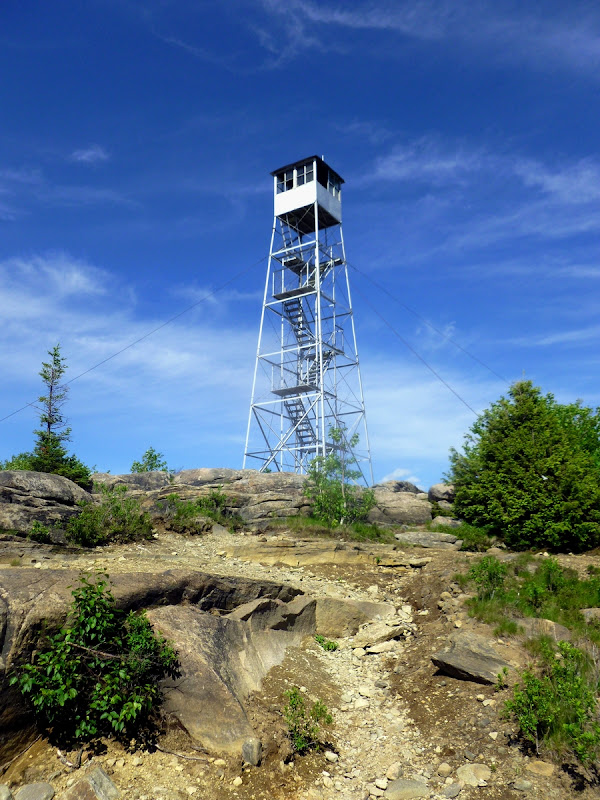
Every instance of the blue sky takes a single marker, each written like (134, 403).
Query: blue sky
(136, 142)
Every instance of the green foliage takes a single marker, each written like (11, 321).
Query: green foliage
(473, 538)
(548, 592)
(152, 461)
(184, 516)
(326, 644)
(488, 574)
(529, 472)
(116, 518)
(556, 706)
(303, 723)
(335, 501)
(99, 675)
(39, 532)
(22, 461)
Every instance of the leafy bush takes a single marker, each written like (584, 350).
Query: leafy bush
(99, 675)
(335, 501)
(184, 516)
(548, 592)
(116, 518)
(304, 724)
(473, 538)
(39, 532)
(529, 472)
(22, 461)
(326, 644)
(488, 574)
(556, 708)
(152, 461)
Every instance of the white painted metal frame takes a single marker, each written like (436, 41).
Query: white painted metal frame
(307, 374)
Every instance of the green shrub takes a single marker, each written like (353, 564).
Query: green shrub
(304, 724)
(39, 532)
(529, 472)
(100, 674)
(152, 461)
(22, 461)
(508, 592)
(117, 518)
(335, 501)
(556, 707)
(184, 516)
(326, 644)
(488, 574)
(473, 539)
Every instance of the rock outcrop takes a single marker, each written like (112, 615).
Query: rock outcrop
(441, 493)
(229, 632)
(28, 496)
(394, 505)
(254, 496)
(33, 602)
(471, 657)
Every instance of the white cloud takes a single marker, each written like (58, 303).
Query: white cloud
(402, 474)
(90, 155)
(505, 32)
(187, 385)
(573, 336)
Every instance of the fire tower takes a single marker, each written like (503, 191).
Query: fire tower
(307, 376)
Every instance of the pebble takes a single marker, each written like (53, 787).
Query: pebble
(540, 768)
(453, 790)
(237, 781)
(220, 762)
(444, 769)
(331, 756)
(136, 761)
(522, 785)
(474, 774)
(394, 771)
(362, 702)
(381, 783)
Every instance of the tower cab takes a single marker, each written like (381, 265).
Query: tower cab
(304, 186)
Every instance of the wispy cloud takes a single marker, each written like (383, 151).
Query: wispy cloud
(90, 155)
(569, 38)
(186, 384)
(402, 474)
(473, 197)
(23, 188)
(588, 333)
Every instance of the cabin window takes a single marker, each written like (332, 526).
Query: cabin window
(305, 174)
(334, 185)
(285, 181)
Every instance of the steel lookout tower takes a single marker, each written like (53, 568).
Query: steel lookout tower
(307, 376)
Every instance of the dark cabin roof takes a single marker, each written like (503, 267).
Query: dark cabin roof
(308, 160)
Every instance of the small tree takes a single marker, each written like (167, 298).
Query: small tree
(528, 472)
(152, 461)
(335, 501)
(100, 674)
(49, 453)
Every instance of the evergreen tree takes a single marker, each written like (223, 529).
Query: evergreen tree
(529, 472)
(49, 453)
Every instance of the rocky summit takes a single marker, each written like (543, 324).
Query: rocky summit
(410, 686)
